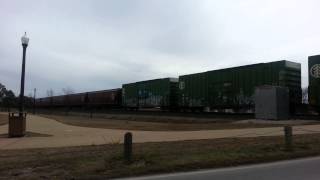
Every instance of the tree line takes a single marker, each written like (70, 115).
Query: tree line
(9, 101)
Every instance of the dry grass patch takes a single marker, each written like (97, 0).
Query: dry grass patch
(154, 126)
(91, 162)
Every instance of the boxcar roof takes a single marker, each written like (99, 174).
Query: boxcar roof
(171, 79)
(245, 66)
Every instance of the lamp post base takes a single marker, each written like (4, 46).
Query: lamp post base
(17, 125)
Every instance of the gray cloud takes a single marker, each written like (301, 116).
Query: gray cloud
(92, 45)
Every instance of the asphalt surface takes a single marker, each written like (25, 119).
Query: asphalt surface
(302, 169)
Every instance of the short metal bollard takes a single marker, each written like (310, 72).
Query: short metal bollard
(17, 124)
(128, 147)
(288, 138)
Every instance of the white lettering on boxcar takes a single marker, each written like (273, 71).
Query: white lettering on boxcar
(315, 71)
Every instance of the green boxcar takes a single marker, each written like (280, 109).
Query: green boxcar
(193, 90)
(314, 81)
(234, 87)
(157, 93)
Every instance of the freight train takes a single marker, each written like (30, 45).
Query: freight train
(233, 88)
(162, 93)
(94, 99)
(223, 89)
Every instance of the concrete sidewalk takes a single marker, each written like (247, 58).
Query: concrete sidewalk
(65, 135)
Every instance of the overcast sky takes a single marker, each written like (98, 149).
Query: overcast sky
(101, 44)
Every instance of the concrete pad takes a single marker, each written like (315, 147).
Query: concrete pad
(66, 135)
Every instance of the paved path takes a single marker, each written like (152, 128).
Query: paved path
(284, 170)
(65, 135)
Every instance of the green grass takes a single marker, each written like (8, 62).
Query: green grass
(106, 161)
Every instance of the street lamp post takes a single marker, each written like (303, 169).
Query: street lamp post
(34, 100)
(24, 41)
(17, 122)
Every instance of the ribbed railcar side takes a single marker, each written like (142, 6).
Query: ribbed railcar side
(173, 97)
(193, 91)
(43, 102)
(58, 101)
(130, 95)
(48, 101)
(234, 87)
(75, 100)
(150, 94)
(39, 102)
(290, 76)
(105, 98)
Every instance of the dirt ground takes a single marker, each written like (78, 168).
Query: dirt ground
(3, 119)
(63, 135)
(136, 124)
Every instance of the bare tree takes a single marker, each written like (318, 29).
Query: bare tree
(50, 93)
(30, 95)
(305, 95)
(67, 90)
